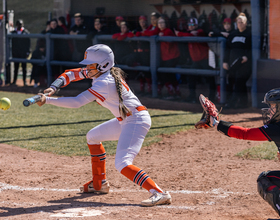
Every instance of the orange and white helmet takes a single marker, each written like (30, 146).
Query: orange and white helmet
(100, 54)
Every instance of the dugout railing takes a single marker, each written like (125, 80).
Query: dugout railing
(154, 67)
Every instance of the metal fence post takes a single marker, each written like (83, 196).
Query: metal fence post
(256, 48)
(222, 71)
(154, 64)
(48, 58)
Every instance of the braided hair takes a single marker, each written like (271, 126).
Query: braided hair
(119, 75)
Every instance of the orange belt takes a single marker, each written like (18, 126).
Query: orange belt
(139, 109)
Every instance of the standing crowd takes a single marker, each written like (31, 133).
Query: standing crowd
(194, 55)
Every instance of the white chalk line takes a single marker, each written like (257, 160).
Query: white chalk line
(218, 192)
(95, 211)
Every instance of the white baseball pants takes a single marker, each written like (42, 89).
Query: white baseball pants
(130, 134)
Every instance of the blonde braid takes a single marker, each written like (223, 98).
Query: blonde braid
(118, 75)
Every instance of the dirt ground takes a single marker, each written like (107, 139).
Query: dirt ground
(198, 167)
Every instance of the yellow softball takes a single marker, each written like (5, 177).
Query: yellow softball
(5, 103)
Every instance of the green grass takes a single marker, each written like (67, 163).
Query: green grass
(267, 151)
(63, 131)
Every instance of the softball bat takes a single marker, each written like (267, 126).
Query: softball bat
(33, 100)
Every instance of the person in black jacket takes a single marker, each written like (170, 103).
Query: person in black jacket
(60, 46)
(80, 45)
(20, 49)
(39, 71)
(225, 32)
(215, 53)
(61, 50)
(99, 27)
(238, 62)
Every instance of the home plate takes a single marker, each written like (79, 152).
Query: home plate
(77, 212)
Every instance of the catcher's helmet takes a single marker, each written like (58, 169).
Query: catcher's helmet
(100, 54)
(271, 97)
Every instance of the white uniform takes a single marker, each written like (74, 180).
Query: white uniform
(129, 132)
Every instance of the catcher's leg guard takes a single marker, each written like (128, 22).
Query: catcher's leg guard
(139, 177)
(98, 158)
(268, 191)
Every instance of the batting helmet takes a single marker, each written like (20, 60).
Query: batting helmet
(271, 97)
(100, 54)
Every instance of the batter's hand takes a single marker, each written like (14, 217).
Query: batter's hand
(43, 99)
(49, 90)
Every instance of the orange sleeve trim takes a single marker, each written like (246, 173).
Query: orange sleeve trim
(96, 94)
(66, 78)
(125, 85)
(76, 76)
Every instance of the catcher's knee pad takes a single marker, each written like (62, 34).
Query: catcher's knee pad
(269, 191)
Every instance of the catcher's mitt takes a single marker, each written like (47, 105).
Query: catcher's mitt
(209, 109)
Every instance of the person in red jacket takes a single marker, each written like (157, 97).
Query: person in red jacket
(169, 54)
(153, 28)
(268, 183)
(199, 55)
(122, 48)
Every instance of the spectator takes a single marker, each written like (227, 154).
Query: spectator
(47, 28)
(238, 51)
(80, 45)
(99, 27)
(117, 27)
(122, 49)
(61, 49)
(169, 58)
(225, 32)
(20, 49)
(153, 28)
(62, 23)
(214, 51)
(199, 56)
(39, 71)
(68, 19)
(44, 31)
(141, 56)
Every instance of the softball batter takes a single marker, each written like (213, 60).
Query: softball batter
(130, 125)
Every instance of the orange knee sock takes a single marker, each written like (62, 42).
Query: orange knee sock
(139, 177)
(98, 158)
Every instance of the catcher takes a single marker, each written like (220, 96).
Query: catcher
(268, 183)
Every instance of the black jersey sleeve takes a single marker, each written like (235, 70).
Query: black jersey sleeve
(272, 132)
